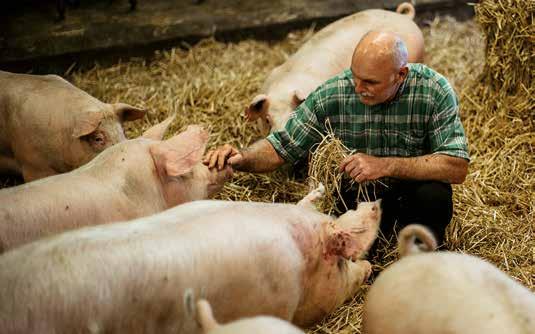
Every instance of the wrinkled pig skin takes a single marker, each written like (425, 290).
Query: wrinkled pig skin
(447, 293)
(48, 126)
(132, 179)
(325, 55)
(256, 325)
(247, 258)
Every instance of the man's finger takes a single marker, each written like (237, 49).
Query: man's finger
(213, 159)
(354, 173)
(352, 166)
(206, 159)
(223, 157)
(345, 162)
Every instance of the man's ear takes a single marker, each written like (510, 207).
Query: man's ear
(179, 154)
(128, 113)
(157, 131)
(258, 107)
(86, 123)
(403, 72)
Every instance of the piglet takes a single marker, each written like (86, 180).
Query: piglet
(445, 293)
(248, 259)
(48, 126)
(132, 179)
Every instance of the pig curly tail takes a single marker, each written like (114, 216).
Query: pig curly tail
(408, 237)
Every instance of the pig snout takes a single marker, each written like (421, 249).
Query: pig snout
(370, 212)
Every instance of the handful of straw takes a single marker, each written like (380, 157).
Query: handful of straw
(323, 168)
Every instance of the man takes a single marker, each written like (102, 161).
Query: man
(401, 119)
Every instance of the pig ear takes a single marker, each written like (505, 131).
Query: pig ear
(86, 123)
(128, 113)
(344, 243)
(350, 238)
(298, 97)
(177, 155)
(205, 316)
(258, 108)
(157, 131)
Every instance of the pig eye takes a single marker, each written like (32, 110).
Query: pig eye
(97, 140)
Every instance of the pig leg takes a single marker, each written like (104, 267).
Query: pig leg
(311, 197)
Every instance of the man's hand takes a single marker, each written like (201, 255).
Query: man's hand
(362, 167)
(221, 156)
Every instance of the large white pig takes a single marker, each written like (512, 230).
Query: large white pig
(247, 258)
(252, 325)
(325, 55)
(445, 293)
(48, 126)
(129, 180)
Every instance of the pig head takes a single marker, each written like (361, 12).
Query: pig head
(337, 273)
(48, 126)
(182, 176)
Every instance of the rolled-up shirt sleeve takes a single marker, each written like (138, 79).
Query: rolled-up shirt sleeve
(446, 132)
(301, 132)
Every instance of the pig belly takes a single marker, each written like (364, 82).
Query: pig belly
(445, 294)
(131, 277)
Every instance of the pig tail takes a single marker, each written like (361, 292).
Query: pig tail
(410, 235)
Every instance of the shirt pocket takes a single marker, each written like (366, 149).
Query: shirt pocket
(413, 142)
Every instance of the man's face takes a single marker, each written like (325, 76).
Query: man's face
(375, 82)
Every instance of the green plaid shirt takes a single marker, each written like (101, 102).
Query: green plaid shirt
(423, 118)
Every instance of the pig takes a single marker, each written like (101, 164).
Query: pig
(325, 55)
(283, 260)
(48, 126)
(257, 325)
(132, 179)
(445, 292)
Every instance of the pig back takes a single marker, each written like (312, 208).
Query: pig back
(104, 277)
(330, 50)
(447, 292)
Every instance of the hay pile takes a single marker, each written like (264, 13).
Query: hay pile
(212, 82)
(495, 214)
(323, 167)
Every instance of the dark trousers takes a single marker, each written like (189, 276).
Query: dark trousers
(410, 202)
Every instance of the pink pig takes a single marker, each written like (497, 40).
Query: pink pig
(48, 126)
(248, 259)
(325, 55)
(445, 293)
(132, 179)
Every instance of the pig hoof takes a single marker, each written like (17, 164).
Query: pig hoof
(312, 196)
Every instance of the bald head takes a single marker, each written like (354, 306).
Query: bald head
(379, 66)
(382, 48)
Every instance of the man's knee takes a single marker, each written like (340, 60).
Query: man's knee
(434, 196)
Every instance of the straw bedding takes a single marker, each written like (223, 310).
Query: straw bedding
(212, 82)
